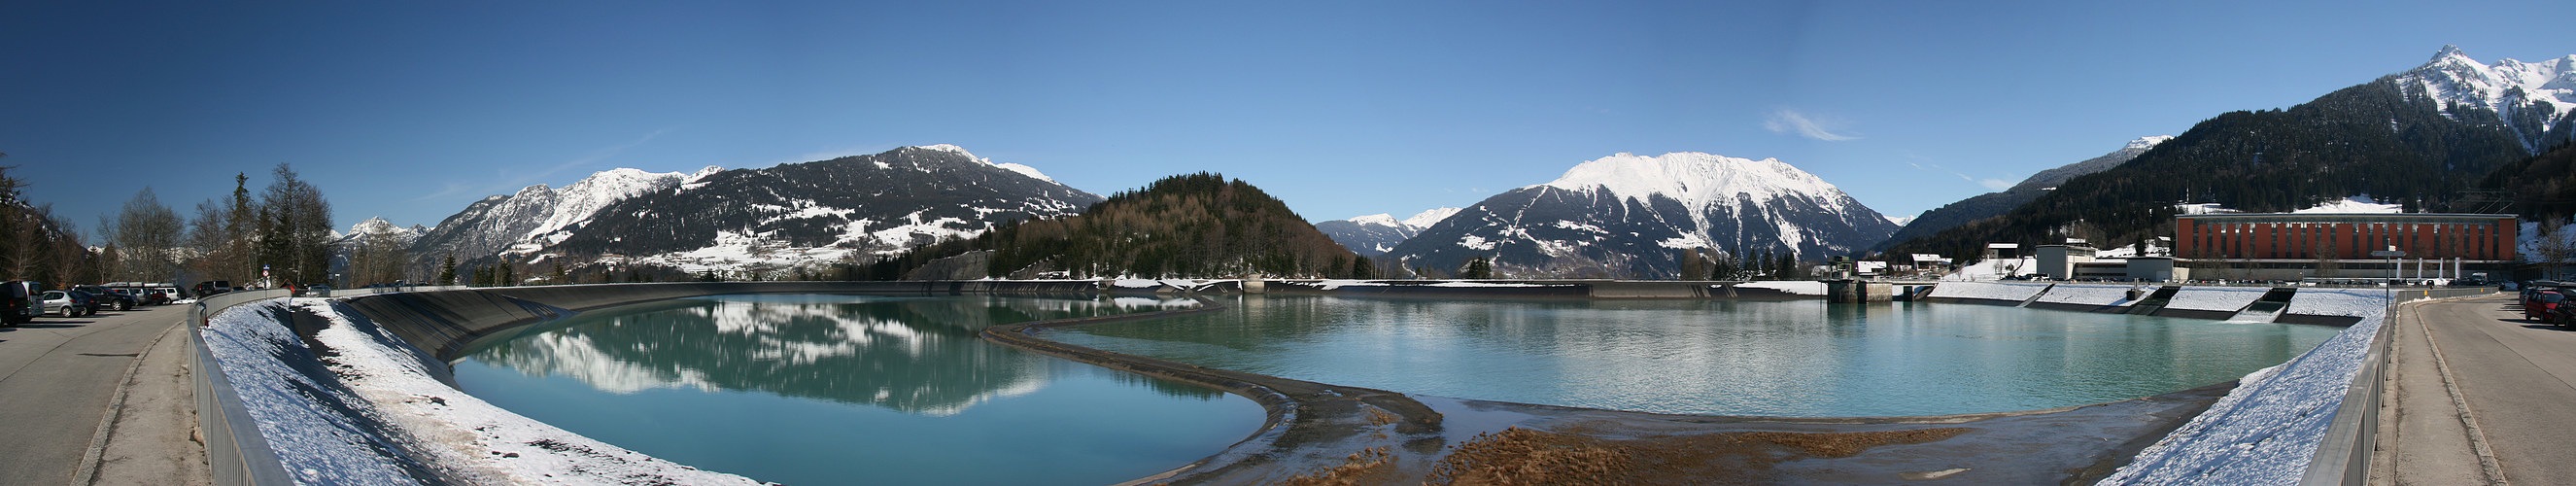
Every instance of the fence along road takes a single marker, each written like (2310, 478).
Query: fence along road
(58, 378)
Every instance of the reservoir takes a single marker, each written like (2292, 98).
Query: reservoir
(1799, 358)
(836, 389)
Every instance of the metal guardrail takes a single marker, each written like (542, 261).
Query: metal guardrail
(235, 452)
(2343, 458)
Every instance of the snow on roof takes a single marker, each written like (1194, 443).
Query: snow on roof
(2363, 204)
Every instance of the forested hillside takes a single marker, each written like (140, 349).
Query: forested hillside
(2370, 139)
(1196, 225)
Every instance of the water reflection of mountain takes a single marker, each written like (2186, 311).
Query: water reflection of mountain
(917, 355)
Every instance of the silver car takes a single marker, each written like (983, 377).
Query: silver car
(60, 303)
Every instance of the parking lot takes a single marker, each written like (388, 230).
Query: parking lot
(58, 377)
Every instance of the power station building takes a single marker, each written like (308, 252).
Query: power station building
(2292, 246)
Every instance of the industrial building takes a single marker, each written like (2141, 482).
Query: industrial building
(2293, 246)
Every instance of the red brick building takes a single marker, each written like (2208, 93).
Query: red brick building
(2475, 238)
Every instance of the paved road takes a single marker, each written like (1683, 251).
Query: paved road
(2518, 380)
(57, 377)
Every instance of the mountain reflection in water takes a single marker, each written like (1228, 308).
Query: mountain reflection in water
(915, 355)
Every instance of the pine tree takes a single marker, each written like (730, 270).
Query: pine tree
(1478, 269)
(504, 277)
(447, 270)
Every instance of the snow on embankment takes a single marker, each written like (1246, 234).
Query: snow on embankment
(2000, 291)
(2216, 299)
(2266, 430)
(375, 412)
(2092, 295)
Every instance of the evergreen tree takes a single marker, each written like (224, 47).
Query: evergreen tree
(1477, 269)
(504, 276)
(447, 270)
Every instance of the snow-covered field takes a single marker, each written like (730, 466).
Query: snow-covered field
(2266, 430)
(2012, 291)
(2093, 294)
(2223, 299)
(393, 421)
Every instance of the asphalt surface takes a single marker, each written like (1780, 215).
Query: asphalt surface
(58, 378)
(2517, 380)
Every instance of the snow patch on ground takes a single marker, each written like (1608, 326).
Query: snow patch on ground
(1988, 290)
(1795, 287)
(2227, 299)
(376, 412)
(2339, 302)
(1993, 270)
(2112, 295)
(2266, 430)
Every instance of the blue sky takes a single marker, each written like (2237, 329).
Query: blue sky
(412, 111)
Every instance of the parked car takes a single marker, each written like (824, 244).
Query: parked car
(22, 301)
(59, 302)
(108, 299)
(212, 288)
(2564, 315)
(2537, 304)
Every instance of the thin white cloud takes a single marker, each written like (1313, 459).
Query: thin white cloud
(1788, 121)
(1989, 184)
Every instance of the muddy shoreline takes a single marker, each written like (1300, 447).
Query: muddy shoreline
(1318, 433)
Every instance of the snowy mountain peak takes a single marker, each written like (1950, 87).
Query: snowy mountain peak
(378, 225)
(2449, 51)
(1428, 217)
(948, 148)
(1379, 219)
(2531, 97)
(1696, 179)
(2148, 142)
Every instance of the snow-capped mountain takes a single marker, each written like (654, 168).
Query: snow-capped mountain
(538, 215)
(1374, 234)
(814, 212)
(2532, 98)
(1992, 204)
(1633, 216)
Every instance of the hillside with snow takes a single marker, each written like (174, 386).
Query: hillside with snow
(2533, 99)
(536, 216)
(1375, 234)
(802, 214)
(2423, 137)
(1629, 215)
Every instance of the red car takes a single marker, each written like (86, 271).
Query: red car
(2539, 306)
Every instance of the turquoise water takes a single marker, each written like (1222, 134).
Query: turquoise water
(812, 389)
(1717, 357)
